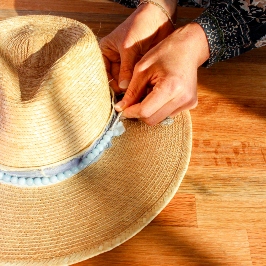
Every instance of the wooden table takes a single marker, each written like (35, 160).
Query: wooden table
(218, 217)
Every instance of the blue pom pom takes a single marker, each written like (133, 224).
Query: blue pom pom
(96, 152)
(74, 170)
(61, 176)
(90, 156)
(6, 178)
(29, 181)
(107, 138)
(109, 133)
(100, 147)
(14, 179)
(22, 181)
(53, 179)
(68, 173)
(81, 166)
(45, 180)
(37, 181)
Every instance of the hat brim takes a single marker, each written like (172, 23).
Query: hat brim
(102, 206)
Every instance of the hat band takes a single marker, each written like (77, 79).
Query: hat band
(49, 175)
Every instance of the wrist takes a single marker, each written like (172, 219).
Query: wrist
(169, 6)
(195, 41)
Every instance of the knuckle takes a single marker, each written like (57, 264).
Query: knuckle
(186, 98)
(131, 93)
(194, 103)
(144, 113)
(148, 122)
(189, 98)
(125, 44)
(139, 67)
(126, 67)
(172, 90)
(104, 43)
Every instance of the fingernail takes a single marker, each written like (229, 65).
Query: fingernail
(122, 118)
(119, 106)
(124, 84)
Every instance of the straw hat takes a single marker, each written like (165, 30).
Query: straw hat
(74, 181)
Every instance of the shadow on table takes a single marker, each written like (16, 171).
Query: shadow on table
(240, 80)
(162, 245)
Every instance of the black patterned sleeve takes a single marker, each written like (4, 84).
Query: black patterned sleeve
(128, 3)
(233, 27)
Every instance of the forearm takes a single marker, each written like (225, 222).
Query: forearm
(232, 29)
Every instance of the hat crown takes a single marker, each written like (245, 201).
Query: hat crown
(54, 95)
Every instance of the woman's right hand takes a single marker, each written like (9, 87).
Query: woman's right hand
(164, 81)
(125, 46)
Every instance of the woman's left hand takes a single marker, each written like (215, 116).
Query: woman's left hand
(124, 46)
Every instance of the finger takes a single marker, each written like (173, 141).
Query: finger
(109, 50)
(188, 107)
(137, 88)
(128, 62)
(162, 93)
(166, 111)
(171, 108)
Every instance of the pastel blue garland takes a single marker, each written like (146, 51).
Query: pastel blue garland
(52, 175)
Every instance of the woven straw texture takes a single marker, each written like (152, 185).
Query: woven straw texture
(109, 201)
(52, 73)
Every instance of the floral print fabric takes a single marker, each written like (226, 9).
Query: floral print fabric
(232, 26)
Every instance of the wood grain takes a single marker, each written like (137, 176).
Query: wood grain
(257, 245)
(218, 216)
(171, 246)
(181, 212)
(76, 6)
(231, 212)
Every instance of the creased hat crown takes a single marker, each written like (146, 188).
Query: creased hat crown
(54, 93)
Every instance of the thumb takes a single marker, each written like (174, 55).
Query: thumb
(134, 92)
(128, 61)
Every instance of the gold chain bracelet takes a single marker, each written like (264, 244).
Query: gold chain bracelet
(161, 7)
